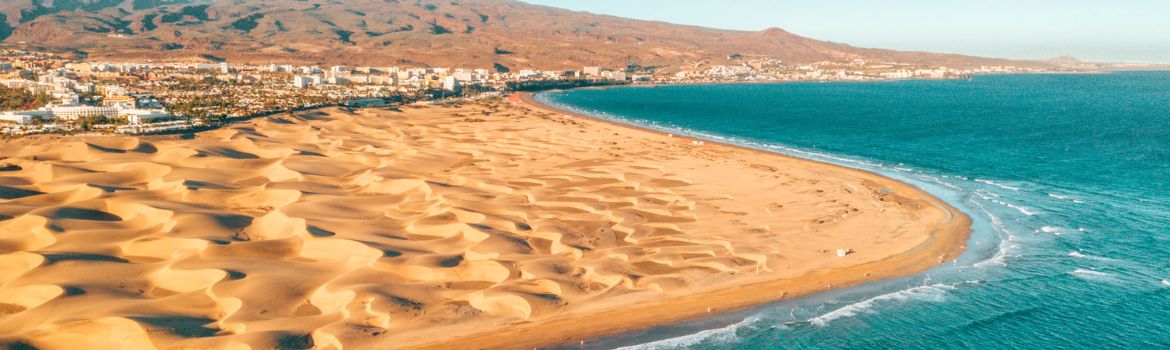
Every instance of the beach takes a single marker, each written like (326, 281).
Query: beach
(497, 224)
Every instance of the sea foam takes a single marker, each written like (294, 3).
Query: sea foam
(1080, 255)
(1094, 275)
(996, 184)
(722, 335)
(931, 293)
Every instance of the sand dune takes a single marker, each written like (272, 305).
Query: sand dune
(485, 225)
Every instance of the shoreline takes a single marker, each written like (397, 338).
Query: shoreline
(494, 224)
(947, 241)
(891, 80)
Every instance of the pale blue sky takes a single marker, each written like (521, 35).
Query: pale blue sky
(1116, 30)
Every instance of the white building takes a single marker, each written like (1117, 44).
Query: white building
(143, 116)
(67, 98)
(208, 66)
(76, 112)
(383, 80)
(302, 82)
(593, 71)
(451, 84)
(463, 75)
(275, 68)
(120, 102)
(619, 76)
(25, 117)
(902, 74)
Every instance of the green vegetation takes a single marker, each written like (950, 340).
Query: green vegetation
(246, 24)
(344, 36)
(171, 17)
(439, 30)
(87, 123)
(22, 99)
(148, 22)
(199, 12)
(640, 69)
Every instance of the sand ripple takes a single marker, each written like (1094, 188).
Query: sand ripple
(387, 228)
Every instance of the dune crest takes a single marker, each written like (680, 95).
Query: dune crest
(420, 227)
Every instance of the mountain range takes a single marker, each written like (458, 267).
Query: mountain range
(504, 34)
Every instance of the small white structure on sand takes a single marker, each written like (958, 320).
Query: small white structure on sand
(844, 251)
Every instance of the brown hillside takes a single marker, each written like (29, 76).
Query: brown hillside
(469, 33)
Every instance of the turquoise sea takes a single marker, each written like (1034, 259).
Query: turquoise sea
(1066, 176)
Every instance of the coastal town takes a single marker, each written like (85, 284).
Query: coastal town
(46, 93)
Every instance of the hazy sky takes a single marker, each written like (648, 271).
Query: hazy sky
(1115, 30)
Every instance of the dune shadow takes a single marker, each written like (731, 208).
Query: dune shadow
(311, 116)
(236, 275)
(233, 221)
(290, 341)
(198, 185)
(110, 188)
(452, 261)
(53, 258)
(183, 326)
(16, 345)
(229, 153)
(320, 232)
(146, 148)
(69, 213)
(105, 149)
(440, 184)
(14, 193)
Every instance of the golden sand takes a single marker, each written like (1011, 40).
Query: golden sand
(478, 226)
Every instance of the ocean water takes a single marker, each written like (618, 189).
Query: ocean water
(1066, 176)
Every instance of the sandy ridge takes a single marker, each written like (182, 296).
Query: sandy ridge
(471, 226)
